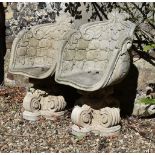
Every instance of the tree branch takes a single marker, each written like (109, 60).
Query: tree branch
(93, 3)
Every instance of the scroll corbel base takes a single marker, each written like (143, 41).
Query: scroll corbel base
(104, 121)
(38, 102)
(101, 119)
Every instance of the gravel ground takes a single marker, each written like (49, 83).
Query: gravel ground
(19, 135)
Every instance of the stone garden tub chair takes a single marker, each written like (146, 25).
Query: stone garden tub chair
(91, 59)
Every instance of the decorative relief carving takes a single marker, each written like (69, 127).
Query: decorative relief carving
(82, 116)
(34, 51)
(93, 57)
(89, 59)
(96, 112)
(38, 102)
(104, 121)
(110, 117)
(100, 54)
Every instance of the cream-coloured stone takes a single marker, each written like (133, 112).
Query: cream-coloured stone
(100, 60)
(92, 54)
(82, 44)
(80, 55)
(44, 43)
(97, 112)
(33, 42)
(32, 51)
(146, 73)
(111, 49)
(43, 38)
(9, 13)
(104, 121)
(143, 110)
(24, 43)
(38, 102)
(21, 51)
(69, 55)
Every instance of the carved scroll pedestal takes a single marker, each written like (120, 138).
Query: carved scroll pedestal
(38, 102)
(99, 114)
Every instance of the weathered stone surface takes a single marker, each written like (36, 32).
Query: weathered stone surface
(82, 58)
(33, 53)
(146, 73)
(148, 30)
(97, 112)
(143, 110)
(99, 61)
(13, 79)
(144, 104)
(38, 102)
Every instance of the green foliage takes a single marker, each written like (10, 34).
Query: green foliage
(146, 48)
(146, 101)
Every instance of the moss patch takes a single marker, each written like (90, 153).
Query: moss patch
(146, 101)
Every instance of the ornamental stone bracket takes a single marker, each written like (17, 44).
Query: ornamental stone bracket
(38, 102)
(102, 119)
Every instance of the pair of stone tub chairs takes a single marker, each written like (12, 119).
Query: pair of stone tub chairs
(91, 59)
